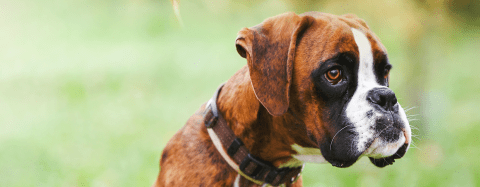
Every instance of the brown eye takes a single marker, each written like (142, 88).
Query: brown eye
(387, 71)
(334, 75)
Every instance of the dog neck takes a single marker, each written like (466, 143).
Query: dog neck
(269, 137)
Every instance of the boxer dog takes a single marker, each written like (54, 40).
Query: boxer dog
(315, 89)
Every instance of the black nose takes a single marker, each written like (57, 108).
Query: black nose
(383, 97)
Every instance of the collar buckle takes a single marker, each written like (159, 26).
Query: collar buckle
(210, 119)
(254, 167)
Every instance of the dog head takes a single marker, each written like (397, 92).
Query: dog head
(333, 73)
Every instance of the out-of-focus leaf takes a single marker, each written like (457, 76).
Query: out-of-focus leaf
(176, 10)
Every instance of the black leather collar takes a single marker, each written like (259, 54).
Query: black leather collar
(238, 156)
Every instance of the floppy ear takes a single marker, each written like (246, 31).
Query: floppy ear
(270, 52)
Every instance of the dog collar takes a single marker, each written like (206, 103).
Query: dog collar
(238, 156)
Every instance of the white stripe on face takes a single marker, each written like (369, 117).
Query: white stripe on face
(366, 76)
(358, 106)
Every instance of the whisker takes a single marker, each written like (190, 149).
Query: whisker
(413, 127)
(408, 109)
(414, 146)
(386, 161)
(417, 138)
(336, 135)
(331, 143)
(381, 132)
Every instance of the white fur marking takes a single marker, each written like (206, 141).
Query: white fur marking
(237, 181)
(407, 131)
(311, 158)
(305, 154)
(358, 107)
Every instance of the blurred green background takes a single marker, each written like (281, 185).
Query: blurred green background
(91, 91)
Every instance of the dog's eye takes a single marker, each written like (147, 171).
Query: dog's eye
(334, 75)
(385, 76)
(387, 71)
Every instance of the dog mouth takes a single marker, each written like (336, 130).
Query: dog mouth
(382, 162)
(342, 160)
(387, 141)
(379, 162)
(379, 151)
(342, 164)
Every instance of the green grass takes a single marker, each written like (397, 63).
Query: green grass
(90, 92)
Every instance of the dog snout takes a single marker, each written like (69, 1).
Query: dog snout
(383, 97)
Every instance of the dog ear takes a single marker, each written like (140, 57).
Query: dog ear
(270, 52)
